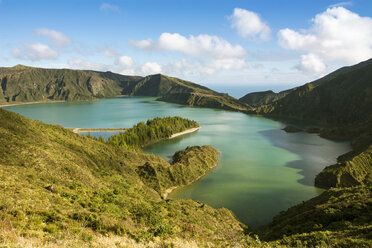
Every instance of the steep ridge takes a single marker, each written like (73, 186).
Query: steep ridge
(256, 99)
(28, 84)
(174, 90)
(346, 98)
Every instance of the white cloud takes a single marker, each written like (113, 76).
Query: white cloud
(201, 45)
(249, 24)
(55, 37)
(125, 61)
(211, 53)
(183, 64)
(85, 64)
(143, 44)
(151, 68)
(215, 66)
(204, 67)
(130, 72)
(35, 52)
(336, 35)
(109, 7)
(16, 52)
(311, 63)
(110, 52)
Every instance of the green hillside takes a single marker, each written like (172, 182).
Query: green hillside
(344, 98)
(100, 191)
(175, 90)
(29, 84)
(256, 99)
(336, 218)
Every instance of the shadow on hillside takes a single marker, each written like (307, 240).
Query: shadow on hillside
(303, 145)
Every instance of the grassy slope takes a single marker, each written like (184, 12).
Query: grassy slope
(97, 192)
(336, 218)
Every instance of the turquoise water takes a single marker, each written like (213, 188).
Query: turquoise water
(261, 171)
(105, 135)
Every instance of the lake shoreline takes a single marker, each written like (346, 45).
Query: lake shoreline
(169, 190)
(27, 103)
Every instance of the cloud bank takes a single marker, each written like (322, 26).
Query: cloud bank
(35, 52)
(335, 35)
(56, 38)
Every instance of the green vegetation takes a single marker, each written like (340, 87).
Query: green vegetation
(336, 218)
(342, 99)
(29, 84)
(257, 99)
(187, 166)
(143, 134)
(170, 89)
(101, 193)
(292, 129)
(355, 167)
(201, 99)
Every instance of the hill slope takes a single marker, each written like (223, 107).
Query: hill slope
(336, 218)
(28, 84)
(338, 99)
(175, 90)
(99, 190)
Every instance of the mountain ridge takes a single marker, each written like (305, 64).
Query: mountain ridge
(257, 99)
(30, 84)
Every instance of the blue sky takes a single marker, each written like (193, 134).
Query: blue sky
(232, 46)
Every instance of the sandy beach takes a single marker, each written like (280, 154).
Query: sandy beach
(185, 132)
(91, 130)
